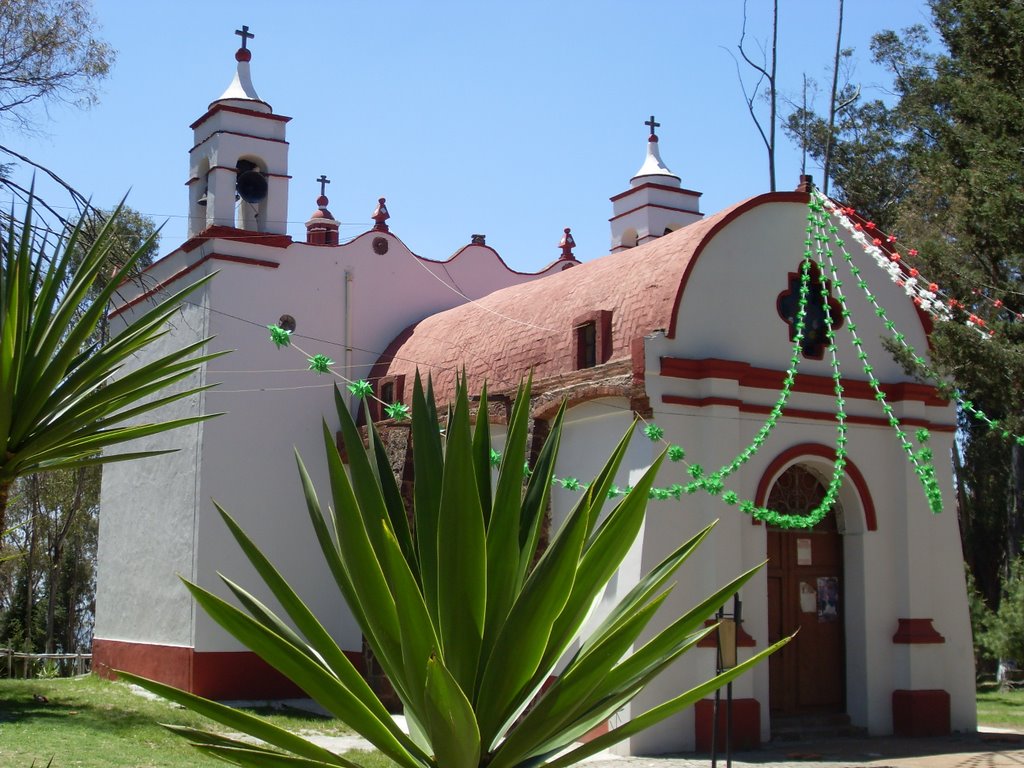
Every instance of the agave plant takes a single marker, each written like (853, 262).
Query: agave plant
(60, 405)
(463, 614)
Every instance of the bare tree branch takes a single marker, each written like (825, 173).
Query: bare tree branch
(766, 72)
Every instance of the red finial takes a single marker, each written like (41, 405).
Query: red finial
(567, 244)
(380, 216)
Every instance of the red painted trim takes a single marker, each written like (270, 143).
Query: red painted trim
(790, 456)
(917, 632)
(237, 133)
(654, 205)
(746, 724)
(920, 713)
(638, 358)
(169, 664)
(746, 375)
(602, 320)
(743, 640)
(219, 232)
(239, 675)
(213, 675)
(182, 272)
(801, 413)
(653, 185)
(215, 108)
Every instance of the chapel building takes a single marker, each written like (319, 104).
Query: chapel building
(688, 323)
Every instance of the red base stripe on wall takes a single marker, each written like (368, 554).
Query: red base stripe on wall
(746, 724)
(213, 675)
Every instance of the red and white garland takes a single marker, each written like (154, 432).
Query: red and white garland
(925, 294)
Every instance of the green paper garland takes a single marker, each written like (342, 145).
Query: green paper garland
(361, 388)
(920, 460)
(279, 336)
(654, 432)
(397, 411)
(817, 245)
(320, 364)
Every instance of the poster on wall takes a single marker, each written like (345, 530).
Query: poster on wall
(808, 598)
(828, 599)
(803, 552)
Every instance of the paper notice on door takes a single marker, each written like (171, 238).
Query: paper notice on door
(803, 552)
(808, 597)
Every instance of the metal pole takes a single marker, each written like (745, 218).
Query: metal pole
(728, 725)
(718, 694)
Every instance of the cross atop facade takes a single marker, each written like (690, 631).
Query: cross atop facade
(652, 124)
(324, 181)
(245, 34)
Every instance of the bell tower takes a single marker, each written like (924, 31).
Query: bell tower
(655, 203)
(238, 165)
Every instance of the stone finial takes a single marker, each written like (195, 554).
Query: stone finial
(380, 216)
(567, 244)
(478, 239)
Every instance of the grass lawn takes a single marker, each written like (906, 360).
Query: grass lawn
(1004, 709)
(87, 722)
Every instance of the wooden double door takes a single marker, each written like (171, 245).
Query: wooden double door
(805, 592)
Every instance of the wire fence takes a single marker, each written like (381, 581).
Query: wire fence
(14, 664)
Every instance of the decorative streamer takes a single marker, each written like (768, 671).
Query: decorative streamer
(821, 236)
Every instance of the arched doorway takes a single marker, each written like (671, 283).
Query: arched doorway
(805, 592)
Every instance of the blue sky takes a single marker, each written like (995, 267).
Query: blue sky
(509, 119)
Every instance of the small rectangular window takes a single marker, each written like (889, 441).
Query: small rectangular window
(586, 345)
(387, 392)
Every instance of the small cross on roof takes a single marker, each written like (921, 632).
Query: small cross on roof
(245, 34)
(324, 181)
(653, 124)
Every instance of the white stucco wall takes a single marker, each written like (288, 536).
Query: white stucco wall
(911, 567)
(271, 403)
(148, 513)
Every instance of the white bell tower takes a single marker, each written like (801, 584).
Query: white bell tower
(655, 204)
(238, 165)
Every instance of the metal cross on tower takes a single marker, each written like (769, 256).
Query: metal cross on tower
(324, 181)
(245, 34)
(652, 124)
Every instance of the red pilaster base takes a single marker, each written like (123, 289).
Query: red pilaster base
(920, 713)
(746, 724)
(213, 675)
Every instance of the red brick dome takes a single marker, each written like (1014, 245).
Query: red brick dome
(501, 337)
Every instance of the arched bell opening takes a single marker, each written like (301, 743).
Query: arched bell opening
(251, 190)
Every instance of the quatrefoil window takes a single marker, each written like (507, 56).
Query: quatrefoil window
(815, 330)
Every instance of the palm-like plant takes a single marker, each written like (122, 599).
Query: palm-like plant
(463, 616)
(60, 403)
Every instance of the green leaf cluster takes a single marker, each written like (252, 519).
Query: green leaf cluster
(64, 395)
(463, 612)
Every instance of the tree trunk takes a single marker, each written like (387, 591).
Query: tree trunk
(826, 170)
(773, 96)
(1015, 513)
(5, 495)
(56, 552)
(30, 563)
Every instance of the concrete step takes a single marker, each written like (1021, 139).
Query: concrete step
(814, 727)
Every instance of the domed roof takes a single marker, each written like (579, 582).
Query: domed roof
(502, 336)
